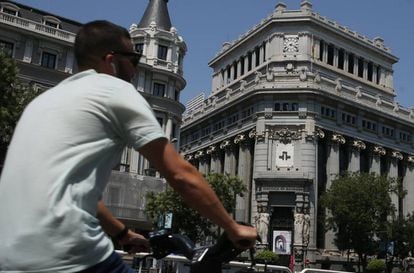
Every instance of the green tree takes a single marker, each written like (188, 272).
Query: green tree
(185, 219)
(359, 205)
(14, 96)
(401, 232)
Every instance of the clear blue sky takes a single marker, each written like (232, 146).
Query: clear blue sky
(206, 24)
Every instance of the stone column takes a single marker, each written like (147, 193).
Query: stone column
(214, 159)
(375, 156)
(335, 59)
(346, 61)
(365, 74)
(355, 65)
(393, 173)
(254, 58)
(354, 161)
(133, 166)
(229, 158)
(332, 170)
(408, 186)
(168, 127)
(244, 172)
(200, 156)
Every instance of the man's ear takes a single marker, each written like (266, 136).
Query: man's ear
(108, 65)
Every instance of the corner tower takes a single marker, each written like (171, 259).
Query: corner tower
(160, 74)
(160, 80)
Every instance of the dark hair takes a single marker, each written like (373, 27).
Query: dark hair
(97, 38)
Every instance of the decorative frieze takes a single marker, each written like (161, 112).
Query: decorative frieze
(285, 135)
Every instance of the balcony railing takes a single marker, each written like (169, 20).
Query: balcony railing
(29, 25)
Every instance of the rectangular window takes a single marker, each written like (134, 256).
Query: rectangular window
(7, 48)
(10, 11)
(341, 54)
(277, 106)
(351, 63)
(360, 67)
(139, 47)
(370, 71)
(330, 54)
(159, 89)
(234, 70)
(162, 52)
(48, 60)
(249, 61)
(257, 51)
(241, 66)
(51, 24)
(176, 95)
(264, 52)
(174, 131)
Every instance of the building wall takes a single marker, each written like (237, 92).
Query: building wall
(307, 115)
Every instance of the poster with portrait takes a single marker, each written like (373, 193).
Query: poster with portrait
(282, 241)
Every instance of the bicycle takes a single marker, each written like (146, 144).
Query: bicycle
(205, 259)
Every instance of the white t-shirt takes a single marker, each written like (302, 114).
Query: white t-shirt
(58, 164)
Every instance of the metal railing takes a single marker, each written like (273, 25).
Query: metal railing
(29, 25)
(180, 264)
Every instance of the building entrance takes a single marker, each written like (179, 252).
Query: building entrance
(281, 230)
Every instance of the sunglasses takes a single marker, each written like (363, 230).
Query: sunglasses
(133, 57)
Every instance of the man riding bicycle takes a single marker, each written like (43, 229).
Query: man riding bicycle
(52, 218)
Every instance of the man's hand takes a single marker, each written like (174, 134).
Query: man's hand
(134, 242)
(243, 237)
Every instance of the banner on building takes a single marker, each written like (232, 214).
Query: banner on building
(282, 242)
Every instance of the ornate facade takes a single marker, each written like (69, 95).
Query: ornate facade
(295, 101)
(40, 42)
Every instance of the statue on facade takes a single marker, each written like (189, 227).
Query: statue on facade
(262, 225)
(306, 229)
(299, 220)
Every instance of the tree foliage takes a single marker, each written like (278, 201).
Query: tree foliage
(401, 233)
(14, 97)
(185, 219)
(359, 205)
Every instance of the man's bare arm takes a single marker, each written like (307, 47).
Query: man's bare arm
(193, 188)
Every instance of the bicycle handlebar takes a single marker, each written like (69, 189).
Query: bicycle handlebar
(203, 259)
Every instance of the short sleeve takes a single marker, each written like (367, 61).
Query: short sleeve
(133, 117)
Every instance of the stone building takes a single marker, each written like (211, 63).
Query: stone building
(40, 42)
(295, 101)
(160, 80)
